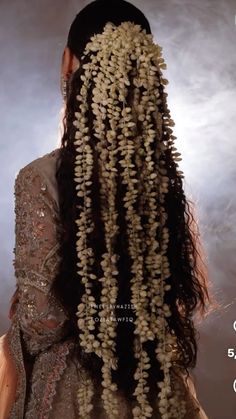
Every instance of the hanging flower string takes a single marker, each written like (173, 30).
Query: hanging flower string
(119, 144)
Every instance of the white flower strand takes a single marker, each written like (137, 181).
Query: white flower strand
(127, 149)
(109, 290)
(149, 136)
(137, 287)
(111, 47)
(152, 175)
(156, 286)
(83, 172)
(99, 126)
(162, 267)
(85, 394)
(170, 406)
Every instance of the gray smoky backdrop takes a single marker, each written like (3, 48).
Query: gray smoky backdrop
(199, 47)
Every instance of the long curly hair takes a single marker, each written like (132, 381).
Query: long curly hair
(189, 292)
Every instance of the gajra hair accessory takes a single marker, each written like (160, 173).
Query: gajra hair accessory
(118, 56)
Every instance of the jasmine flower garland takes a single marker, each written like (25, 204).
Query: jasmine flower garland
(111, 54)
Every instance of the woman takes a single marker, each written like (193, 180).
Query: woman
(107, 258)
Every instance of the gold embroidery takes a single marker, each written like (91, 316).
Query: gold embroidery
(40, 322)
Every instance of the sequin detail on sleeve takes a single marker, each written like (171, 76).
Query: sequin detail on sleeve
(57, 373)
(41, 318)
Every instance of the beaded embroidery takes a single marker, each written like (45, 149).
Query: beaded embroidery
(39, 321)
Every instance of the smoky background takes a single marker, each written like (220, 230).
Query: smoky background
(198, 40)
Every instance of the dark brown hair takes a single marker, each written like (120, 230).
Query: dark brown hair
(189, 292)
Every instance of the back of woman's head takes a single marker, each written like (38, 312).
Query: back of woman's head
(129, 277)
(92, 19)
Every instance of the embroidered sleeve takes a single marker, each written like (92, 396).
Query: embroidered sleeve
(41, 318)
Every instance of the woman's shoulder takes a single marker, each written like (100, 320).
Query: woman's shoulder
(43, 162)
(45, 167)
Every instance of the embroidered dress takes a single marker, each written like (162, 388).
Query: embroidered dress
(39, 371)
